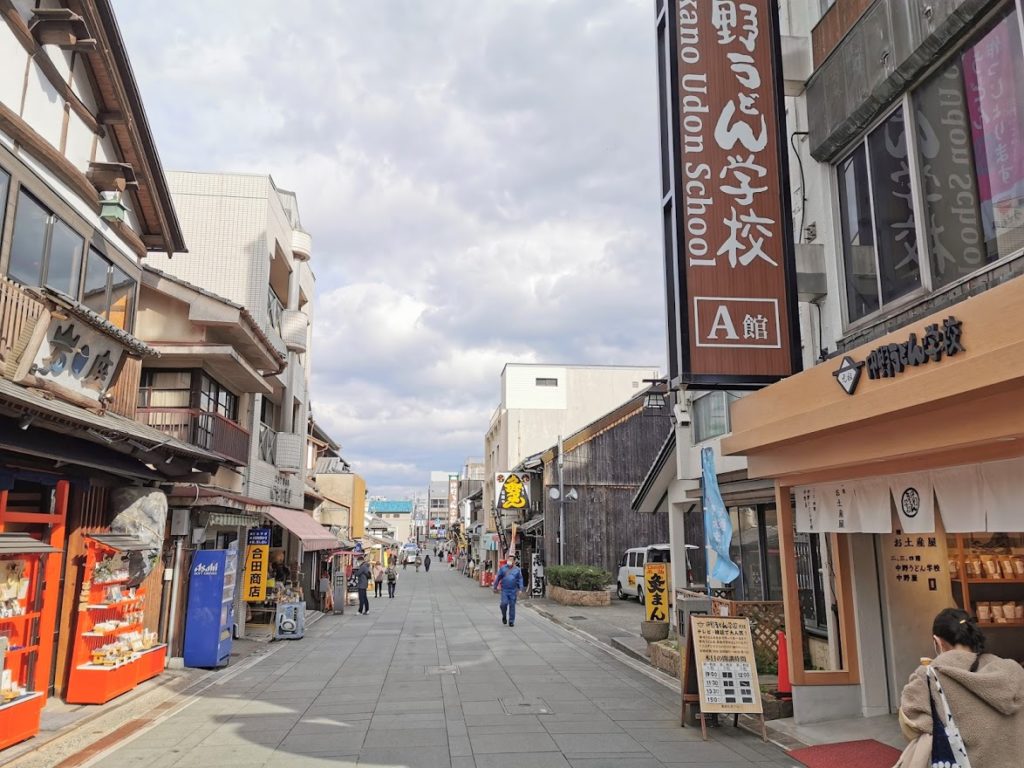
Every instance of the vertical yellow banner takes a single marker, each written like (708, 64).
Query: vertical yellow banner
(656, 591)
(257, 565)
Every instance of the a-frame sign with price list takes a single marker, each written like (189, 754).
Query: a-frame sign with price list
(719, 673)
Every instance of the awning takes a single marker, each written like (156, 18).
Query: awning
(531, 524)
(23, 544)
(313, 535)
(121, 542)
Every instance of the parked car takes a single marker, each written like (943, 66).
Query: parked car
(630, 579)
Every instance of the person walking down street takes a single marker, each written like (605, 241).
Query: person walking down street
(362, 582)
(510, 581)
(378, 580)
(965, 689)
(392, 576)
(426, 563)
(418, 563)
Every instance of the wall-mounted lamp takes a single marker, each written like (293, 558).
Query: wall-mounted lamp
(655, 398)
(25, 421)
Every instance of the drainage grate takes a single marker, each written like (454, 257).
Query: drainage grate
(450, 669)
(525, 707)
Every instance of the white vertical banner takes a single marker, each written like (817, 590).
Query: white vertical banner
(958, 492)
(1001, 484)
(915, 502)
(872, 510)
(825, 508)
(806, 509)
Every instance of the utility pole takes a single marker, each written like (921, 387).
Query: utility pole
(561, 507)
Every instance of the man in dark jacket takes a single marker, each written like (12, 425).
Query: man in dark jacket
(362, 582)
(426, 563)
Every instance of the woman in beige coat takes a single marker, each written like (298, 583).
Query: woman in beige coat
(985, 694)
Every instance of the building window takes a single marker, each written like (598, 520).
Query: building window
(108, 291)
(709, 415)
(541, 382)
(165, 389)
(214, 397)
(44, 250)
(962, 134)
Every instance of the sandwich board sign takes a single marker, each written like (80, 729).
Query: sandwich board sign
(720, 672)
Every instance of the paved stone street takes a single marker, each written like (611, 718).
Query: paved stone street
(433, 679)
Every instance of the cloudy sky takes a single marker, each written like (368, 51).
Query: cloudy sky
(480, 178)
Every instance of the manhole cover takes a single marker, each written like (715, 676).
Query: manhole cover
(525, 707)
(578, 618)
(450, 669)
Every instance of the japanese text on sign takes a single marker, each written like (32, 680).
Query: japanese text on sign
(726, 670)
(257, 565)
(656, 591)
(731, 199)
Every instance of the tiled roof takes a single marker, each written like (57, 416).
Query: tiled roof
(135, 345)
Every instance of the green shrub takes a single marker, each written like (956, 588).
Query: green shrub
(585, 578)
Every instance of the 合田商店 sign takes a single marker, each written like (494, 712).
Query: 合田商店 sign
(729, 265)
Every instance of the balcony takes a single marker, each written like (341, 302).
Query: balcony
(268, 444)
(201, 428)
(294, 328)
(290, 448)
(302, 245)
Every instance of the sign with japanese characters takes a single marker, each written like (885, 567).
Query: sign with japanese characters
(512, 491)
(656, 591)
(723, 658)
(257, 564)
(74, 356)
(729, 250)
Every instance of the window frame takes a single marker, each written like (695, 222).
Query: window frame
(52, 218)
(729, 396)
(906, 101)
(23, 178)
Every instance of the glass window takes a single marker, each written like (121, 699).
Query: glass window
(122, 298)
(641, 558)
(710, 415)
(542, 382)
(165, 389)
(28, 246)
(632, 560)
(898, 265)
(65, 262)
(858, 236)
(94, 292)
(772, 558)
(748, 537)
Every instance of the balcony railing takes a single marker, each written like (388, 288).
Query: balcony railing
(274, 310)
(201, 428)
(268, 444)
(18, 313)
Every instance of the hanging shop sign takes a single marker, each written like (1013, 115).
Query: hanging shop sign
(890, 360)
(730, 268)
(453, 497)
(70, 357)
(512, 491)
(257, 564)
(656, 590)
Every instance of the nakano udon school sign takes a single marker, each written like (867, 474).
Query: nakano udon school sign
(729, 253)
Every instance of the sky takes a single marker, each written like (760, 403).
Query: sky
(480, 179)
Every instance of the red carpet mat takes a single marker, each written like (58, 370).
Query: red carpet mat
(848, 754)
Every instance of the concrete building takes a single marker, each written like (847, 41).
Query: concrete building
(247, 222)
(397, 514)
(439, 503)
(344, 493)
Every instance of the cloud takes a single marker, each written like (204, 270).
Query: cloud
(479, 176)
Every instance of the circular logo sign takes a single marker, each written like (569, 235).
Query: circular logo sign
(911, 502)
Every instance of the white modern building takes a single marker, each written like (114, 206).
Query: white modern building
(247, 245)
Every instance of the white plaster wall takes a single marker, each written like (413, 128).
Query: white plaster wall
(44, 109)
(13, 60)
(78, 148)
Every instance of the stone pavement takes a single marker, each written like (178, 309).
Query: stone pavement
(432, 679)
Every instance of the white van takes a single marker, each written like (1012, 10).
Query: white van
(630, 580)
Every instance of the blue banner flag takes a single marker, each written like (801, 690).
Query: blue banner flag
(717, 525)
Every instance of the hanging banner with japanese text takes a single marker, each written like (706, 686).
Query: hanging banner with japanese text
(257, 563)
(730, 273)
(512, 491)
(656, 591)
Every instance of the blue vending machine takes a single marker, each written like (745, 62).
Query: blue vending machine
(211, 607)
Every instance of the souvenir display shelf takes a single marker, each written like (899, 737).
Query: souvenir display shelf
(113, 651)
(20, 611)
(987, 571)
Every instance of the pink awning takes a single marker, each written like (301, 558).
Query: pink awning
(313, 535)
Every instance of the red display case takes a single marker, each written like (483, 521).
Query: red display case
(113, 652)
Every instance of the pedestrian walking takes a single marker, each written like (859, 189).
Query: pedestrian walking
(326, 593)
(418, 563)
(975, 699)
(362, 582)
(392, 576)
(510, 581)
(378, 580)
(426, 563)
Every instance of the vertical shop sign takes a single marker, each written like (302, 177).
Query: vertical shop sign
(512, 490)
(257, 563)
(729, 248)
(656, 589)
(453, 498)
